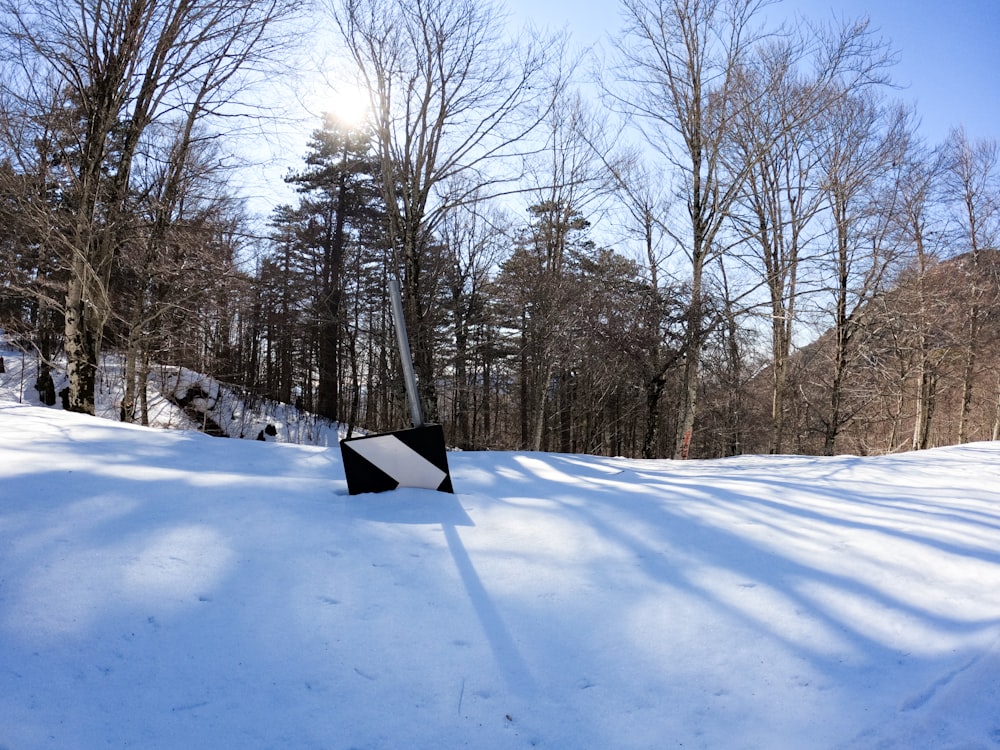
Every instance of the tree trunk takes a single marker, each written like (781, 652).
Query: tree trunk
(81, 343)
(969, 373)
(328, 396)
(995, 434)
(694, 340)
(461, 397)
(127, 411)
(654, 392)
(567, 386)
(143, 388)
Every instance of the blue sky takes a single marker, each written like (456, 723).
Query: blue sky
(949, 50)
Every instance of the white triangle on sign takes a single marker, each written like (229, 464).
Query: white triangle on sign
(394, 457)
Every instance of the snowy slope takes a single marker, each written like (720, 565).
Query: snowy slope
(234, 412)
(164, 589)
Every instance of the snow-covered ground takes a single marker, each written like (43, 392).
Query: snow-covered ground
(165, 589)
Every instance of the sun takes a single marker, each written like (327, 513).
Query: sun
(349, 104)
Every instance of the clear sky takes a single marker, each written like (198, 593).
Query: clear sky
(949, 50)
(949, 59)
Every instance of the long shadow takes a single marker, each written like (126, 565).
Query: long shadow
(772, 487)
(409, 506)
(713, 546)
(859, 498)
(506, 653)
(428, 507)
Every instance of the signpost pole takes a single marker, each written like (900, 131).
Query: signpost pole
(409, 377)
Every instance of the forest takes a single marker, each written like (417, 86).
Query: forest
(711, 236)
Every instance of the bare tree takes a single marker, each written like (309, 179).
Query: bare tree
(676, 75)
(866, 141)
(33, 278)
(775, 209)
(566, 182)
(921, 228)
(474, 240)
(974, 186)
(656, 350)
(778, 142)
(179, 246)
(449, 97)
(112, 69)
(681, 73)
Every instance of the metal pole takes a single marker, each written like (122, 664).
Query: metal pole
(409, 377)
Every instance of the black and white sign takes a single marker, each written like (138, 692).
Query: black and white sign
(408, 458)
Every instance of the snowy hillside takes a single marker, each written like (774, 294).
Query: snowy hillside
(165, 589)
(178, 399)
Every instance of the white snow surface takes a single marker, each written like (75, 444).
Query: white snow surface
(165, 589)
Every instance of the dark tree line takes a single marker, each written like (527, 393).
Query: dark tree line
(740, 246)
